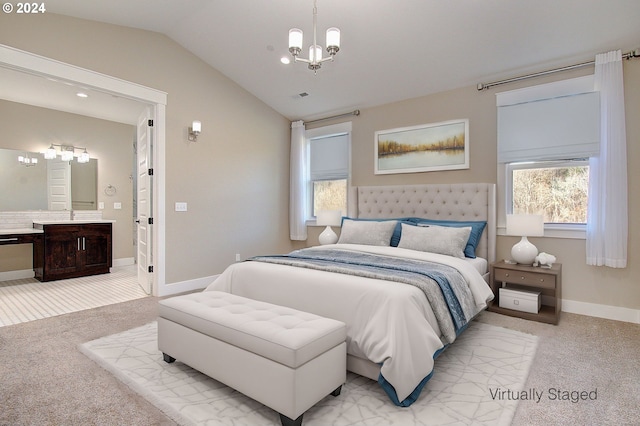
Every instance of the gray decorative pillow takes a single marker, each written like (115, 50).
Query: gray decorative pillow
(369, 233)
(435, 239)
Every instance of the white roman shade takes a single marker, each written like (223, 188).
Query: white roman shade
(329, 158)
(555, 121)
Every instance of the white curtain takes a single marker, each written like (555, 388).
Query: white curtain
(298, 184)
(607, 224)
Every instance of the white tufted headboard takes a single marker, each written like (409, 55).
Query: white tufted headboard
(461, 201)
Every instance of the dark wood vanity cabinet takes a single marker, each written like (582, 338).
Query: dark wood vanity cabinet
(69, 251)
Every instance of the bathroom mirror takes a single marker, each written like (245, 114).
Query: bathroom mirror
(26, 186)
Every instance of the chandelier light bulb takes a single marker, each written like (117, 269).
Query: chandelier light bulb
(295, 41)
(315, 53)
(333, 40)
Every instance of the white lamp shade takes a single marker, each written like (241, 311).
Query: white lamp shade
(315, 53)
(83, 157)
(529, 225)
(67, 154)
(196, 126)
(329, 218)
(333, 37)
(295, 38)
(50, 153)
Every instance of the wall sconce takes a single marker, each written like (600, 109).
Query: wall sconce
(194, 130)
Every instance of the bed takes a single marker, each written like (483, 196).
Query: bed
(405, 294)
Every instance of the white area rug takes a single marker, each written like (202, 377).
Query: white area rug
(29, 299)
(484, 359)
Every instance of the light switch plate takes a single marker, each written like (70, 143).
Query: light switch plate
(181, 207)
(117, 206)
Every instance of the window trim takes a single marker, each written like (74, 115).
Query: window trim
(325, 132)
(553, 230)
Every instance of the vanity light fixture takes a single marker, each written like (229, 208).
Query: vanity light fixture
(27, 160)
(194, 130)
(67, 152)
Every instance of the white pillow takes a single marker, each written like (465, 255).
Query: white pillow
(372, 233)
(435, 239)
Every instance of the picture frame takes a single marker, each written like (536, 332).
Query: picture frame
(423, 148)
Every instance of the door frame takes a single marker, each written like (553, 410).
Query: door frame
(31, 63)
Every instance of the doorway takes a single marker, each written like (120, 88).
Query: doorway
(26, 62)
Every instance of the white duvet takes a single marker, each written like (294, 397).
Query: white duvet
(388, 323)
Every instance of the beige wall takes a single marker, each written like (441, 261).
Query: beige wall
(581, 283)
(234, 179)
(33, 129)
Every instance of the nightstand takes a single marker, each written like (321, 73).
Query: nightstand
(521, 277)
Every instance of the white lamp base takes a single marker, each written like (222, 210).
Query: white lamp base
(524, 252)
(329, 237)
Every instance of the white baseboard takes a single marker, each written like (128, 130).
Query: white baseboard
(601, 311)
(189, 285)
(16, 275)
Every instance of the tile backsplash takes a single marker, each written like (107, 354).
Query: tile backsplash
(24, 219)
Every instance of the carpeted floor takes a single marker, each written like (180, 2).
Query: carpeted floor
(46, 380)
(470, 378)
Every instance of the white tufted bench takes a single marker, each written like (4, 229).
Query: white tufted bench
(285, 359)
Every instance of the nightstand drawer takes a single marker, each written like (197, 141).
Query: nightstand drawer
(525, 278)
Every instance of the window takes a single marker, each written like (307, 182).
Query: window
(329, 149)
(546, 135)
(558, 190)
(330, 195)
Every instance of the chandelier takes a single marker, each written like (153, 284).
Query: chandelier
(315, 51)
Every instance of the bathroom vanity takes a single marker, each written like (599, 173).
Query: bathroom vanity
(70, 249)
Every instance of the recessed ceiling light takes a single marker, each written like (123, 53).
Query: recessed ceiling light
(82, 95)
(285, 60)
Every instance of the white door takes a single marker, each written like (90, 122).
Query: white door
(58, 184)
(144, 199)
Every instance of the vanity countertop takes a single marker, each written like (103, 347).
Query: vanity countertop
(71, 222)
(16, 231)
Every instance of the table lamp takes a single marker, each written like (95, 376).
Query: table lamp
(525, 225)
(328, 218)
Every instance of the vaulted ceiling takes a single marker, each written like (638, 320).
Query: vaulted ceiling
(390, 50)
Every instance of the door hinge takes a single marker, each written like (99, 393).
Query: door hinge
(150, 172)
(150, 268)
(150, 123)
(150, 221)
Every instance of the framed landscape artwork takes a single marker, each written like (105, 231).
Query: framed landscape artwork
(423, 148)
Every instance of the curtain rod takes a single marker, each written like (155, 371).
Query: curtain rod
(484, 86)
(356, 112)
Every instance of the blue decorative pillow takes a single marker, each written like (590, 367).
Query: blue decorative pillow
(474, 238)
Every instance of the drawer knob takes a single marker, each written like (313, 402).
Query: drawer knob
(506, 275)
(541, 280)
(522, 277)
